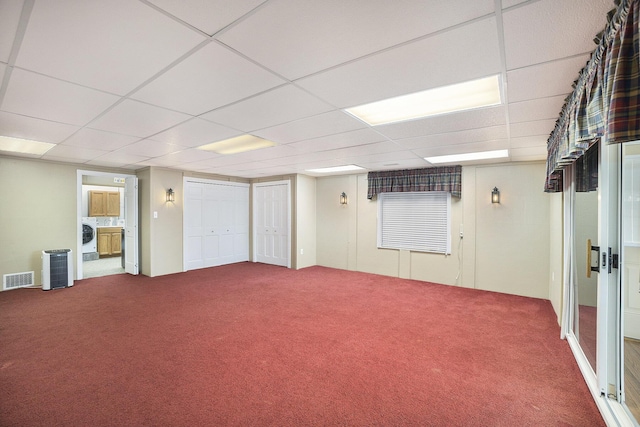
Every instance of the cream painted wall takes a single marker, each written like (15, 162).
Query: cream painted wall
(333, 220)
(39, 212)
(166, 230)
(512, 238)
(305, 233)
(161, 238)
(505, 248)
(345, 236)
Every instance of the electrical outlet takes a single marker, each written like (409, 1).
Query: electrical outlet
(461, 230)
(301, 251)
(155, 214)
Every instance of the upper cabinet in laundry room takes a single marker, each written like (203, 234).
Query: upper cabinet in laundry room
(104, 203)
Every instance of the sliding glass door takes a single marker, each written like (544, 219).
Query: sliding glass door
(603, 264)
(585, 283)
(630, 278)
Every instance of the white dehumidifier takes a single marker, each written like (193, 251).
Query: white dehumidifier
(57, 269)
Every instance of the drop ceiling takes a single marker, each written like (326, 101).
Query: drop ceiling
(132, 84)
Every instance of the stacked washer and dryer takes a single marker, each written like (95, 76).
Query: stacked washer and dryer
(89, 238)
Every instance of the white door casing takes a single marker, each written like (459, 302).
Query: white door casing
(272, 223)
(131, 265)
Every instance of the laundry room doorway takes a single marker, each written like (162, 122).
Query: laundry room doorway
(107, 218)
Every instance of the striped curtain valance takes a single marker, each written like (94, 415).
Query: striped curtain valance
(605, 103)
(443, 178)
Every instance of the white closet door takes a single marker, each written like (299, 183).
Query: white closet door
(210, 219)
(225, 229)
(241, 225)
(272, 219)
(216, 223)
(194, 230)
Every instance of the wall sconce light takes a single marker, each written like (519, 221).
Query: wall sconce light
(171, 195)
(495, 195)
(343, 198)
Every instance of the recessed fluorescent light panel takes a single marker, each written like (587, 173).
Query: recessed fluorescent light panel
(239, 144)
(345, 168)
(466, 157)
(24, 146)
(479, 93)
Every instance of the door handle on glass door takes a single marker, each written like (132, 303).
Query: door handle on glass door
(590, 268)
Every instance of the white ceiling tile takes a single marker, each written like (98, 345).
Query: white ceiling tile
(69, 153)
(319, 156)
(113, 46)
(25, 127)
(383, 158)
(275, 152)
(542, 80)
(209, 16)
(9, 19)
(91, 138)
(549, 29)
(280, 105)
(395, 164)
(540, 127)
(454, 138)
(312, 127)
(536, 109)
(219, 161)
(341, 140)
(463, 148)
(118, 157)
(38, 96)
(509, 3)
(297, 38)
(138, 119)
(241, 167)
(187, 87)
(462, 54)
(150, 148)
(267, 172)
(529, 141)
(485, 117)
(186, 156)
(77, 58)
(528, 154)
(376, 149)
(195, 132)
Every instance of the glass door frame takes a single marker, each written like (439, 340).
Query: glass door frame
(622, 279)
(605, 383)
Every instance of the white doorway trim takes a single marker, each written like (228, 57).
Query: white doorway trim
(287, 183)
(80, 173)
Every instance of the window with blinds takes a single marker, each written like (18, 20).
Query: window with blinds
(415, 221)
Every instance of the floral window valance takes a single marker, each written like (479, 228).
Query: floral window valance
(605, 103)
(444, 178)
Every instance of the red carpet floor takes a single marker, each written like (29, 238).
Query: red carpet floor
(253, 345)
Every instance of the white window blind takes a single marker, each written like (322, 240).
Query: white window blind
(415, 221)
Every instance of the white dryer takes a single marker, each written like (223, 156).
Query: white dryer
(89, 235)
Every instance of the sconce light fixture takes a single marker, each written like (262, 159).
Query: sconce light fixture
(171, 195)
(495, 195)
(343, 198)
